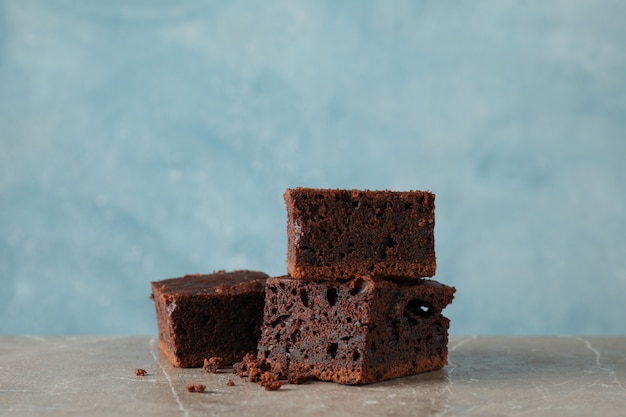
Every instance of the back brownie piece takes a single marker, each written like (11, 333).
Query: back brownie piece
(339, 234)
(214, 315)
(354, 332)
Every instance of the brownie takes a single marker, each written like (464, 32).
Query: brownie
(339, 234)
(214, 315)
(354, 331)
(195, 388)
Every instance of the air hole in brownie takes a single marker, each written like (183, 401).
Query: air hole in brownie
(274, 310)
(357, 286)
(356, 355)
(348, 319)
(356, 204)
(438, 334)
(332, 350)
(408, 206)
(294, 291)
(418, 308)
(277, 337)
(279, 320)
(373, 347)
(295, 336)
(305, 297)
(308, 253)
(331, 296)
(387, 243)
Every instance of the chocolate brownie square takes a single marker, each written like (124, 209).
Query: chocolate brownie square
(214, 315)
(337, 234)
(357, 331)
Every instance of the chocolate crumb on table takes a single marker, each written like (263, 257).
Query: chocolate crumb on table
(270, 381)
(251, 367)
(257, 370)
(273, 385)
(140, 372)
(213, 364)
(195, 387)
(230, 383)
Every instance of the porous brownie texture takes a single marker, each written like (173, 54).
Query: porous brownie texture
(357, 331)
(338, 234)
(213, 315)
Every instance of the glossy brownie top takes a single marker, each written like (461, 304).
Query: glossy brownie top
(216, 283)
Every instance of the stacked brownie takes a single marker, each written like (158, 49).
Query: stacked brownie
(355, 307)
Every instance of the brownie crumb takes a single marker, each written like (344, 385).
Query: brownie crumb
(195, 387)
(140, 372)
(257, 370)
(251, 368)
(270, 381)
(230, 383)
(273, 386)
(213, 364)
(267, 377)
(241, 368)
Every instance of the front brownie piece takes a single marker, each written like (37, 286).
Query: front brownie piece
(354, 332)
(214, 315)
(339, 234)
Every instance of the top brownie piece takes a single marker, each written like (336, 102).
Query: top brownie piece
(340, 234)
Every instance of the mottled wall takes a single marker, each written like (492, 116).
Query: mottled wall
(142, 140)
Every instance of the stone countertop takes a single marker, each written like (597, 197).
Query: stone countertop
(486, 376)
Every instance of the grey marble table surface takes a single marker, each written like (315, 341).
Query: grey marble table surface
(486, 376)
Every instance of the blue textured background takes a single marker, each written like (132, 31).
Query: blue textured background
(142, 140)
